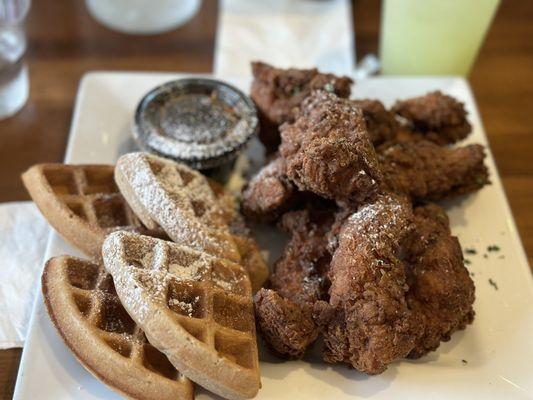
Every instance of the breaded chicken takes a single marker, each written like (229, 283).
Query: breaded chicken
(440, 288)
(269, 193)
(278, 92)
(425, 171)
(300, 272)
(441, 118)
(287, 328)
(381, 124)
(368, 323)
(328, 150)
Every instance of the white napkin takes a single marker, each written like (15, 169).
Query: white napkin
(285, 33)
(24, 234)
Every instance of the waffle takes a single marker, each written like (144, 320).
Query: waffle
(177, 198)
(195, 308)
(82, 203)
(249, 250)
(84, 307)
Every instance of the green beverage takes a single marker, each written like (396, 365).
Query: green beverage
(433, 37)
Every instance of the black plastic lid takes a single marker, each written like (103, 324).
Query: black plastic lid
(201, 122)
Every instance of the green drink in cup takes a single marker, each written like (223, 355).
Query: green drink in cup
(433, 37)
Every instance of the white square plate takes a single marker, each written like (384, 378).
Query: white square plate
(491, 359)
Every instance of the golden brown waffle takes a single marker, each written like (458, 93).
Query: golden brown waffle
(249, 250)
(195, 308)
(82, 203)
(84, 307)
(252, 260)
(177, 198)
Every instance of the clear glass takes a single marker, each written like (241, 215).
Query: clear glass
(14, 83)
(143, 16)
(433, 37)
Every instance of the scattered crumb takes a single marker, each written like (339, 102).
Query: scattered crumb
(485, 255)
(493, 284)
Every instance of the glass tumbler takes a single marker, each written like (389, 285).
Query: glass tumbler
(433, 37)
(14, 83)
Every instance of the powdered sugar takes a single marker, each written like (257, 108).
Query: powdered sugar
(228, 285)
(185, 307)
(180, 200)
(152, 279)
(187, 273)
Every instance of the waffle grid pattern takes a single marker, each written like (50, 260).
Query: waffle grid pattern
(91, 194)
(94, 294)
(179, 200)
(212, 304)
(200, 202)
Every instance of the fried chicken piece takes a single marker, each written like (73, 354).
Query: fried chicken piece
(277, 92)
(425, 171)
(404, 133)
(367, 323)
(269, 193)
(440, 288)
(381, 124)
(284, 314)
(287, 328)
(328, 150)
(441, 118)
(300, 273)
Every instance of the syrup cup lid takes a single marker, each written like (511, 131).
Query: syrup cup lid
(201, 122)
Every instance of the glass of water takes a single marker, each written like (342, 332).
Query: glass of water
(14, 84)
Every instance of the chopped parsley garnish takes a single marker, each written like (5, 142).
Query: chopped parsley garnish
(470, 251)
(493, 284)
(493, 247)
(480, 180)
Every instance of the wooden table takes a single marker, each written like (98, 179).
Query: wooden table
(65, 43)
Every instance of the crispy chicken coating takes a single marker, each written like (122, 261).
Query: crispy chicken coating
(397, 284)
(300, 273)
(285, 314)
(381, 124)
(269, 193)
(425, 171)
(277, 92)
(440, 288)
(377, 279)
(405, 134)
(287, 328)
(328, 150)
(441, 118)
(367, 323)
